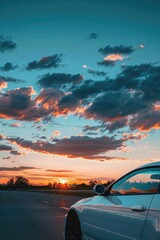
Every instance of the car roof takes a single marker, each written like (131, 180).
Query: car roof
(152, 164)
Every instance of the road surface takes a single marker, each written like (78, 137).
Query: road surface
(33, 216)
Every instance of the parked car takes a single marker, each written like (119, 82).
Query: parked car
(128, 209)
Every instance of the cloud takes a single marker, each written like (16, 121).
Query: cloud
(108, 158)
(8, 66)
(109, 126)
(94, 130)
(107, 63)
(59, 80)
(93, 35)
(10, 79)
(113, 106)
(111, 59)
(5, 147)
(16, 125)
(46, 62)
(114, 57)
(114, 54)
(134, 136)
(69, 105)
(16, 169)
(6, 44)
(74, 147)
(56, 133)
(121, 49)
(91, 128)
(48, 101)
(1, 137)
(59, 171)
(14, 102)
(141, 46)
(20, 105)
(114, 126)
(89, 88)
(124, 100)
(96, 72)
(132, 77)
(146, 120)
(3, 84)
(43, 137)
(115, 102)
(156, 106)
(143, 78)
(14, 152)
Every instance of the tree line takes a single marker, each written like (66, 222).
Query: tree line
(20, 183)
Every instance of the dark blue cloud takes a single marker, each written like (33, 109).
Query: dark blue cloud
(121, 49)
(59, 80)
(10, 79)
(8, 66)
(143, 78)
(46, 62)
(93, 35)
(6, 44)
(13, 103)
(112, 106)
(97, 73)
(14, 152)
(146, 120)
(107, 63)
(73, 147)
(5, 148)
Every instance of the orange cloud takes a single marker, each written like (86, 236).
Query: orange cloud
(114, 57)
(16, 124)
(5, 116)
(145, 129)
(135, 136)
(56, 133)
(3, 85)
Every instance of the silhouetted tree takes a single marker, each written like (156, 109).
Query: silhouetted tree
(21, 182)
(10, 183)
(49, 185)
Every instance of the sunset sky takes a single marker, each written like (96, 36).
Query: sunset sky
(79, 88)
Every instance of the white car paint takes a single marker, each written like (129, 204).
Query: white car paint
(122, 217)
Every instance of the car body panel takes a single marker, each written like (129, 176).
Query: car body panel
(152, 226)
(81, 208)
(112, 217)
(120, 217)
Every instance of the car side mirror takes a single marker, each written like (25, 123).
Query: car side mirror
(99, 189)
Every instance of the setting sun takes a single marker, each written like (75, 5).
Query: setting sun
(63, 181)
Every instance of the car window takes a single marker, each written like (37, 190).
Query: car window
(142, 181)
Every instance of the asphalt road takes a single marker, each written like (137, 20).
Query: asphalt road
(33, 216)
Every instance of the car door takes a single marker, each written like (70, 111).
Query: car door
(152, 225)
(122, 212)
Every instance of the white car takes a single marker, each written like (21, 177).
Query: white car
(128, 209)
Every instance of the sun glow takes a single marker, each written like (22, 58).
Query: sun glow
(62, 181)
